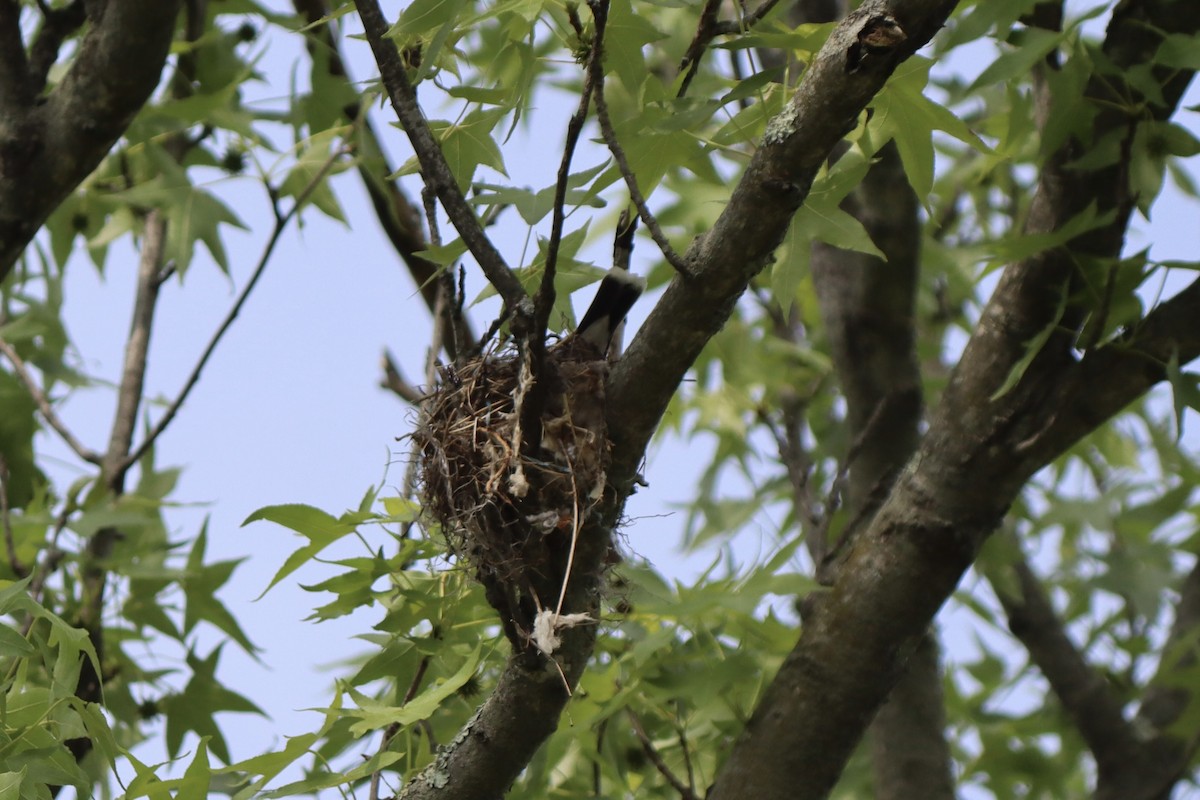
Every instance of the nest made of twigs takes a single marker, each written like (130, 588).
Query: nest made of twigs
(514, 511)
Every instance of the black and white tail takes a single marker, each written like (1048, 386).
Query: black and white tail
(617, 293)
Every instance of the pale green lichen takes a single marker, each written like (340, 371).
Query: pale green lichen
(437, 774)
(782, 125)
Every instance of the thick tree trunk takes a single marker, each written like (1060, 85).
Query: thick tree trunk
(867, 306)
(49, 144)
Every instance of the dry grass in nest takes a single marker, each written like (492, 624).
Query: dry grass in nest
(515, 518)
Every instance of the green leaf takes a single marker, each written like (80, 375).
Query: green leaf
(904, 114)
(196, 778)
(401, 509)
(1154, 144)
(354, 588)
(195, 708)
(624, 37)
(193, 214)
(423, 17)
(467, 145)
(200, 583)
(534, 206)
(146, 782)
(981, 19)
(1017, 247)
(446, 254)
(318, 527)
(14, 595)
(1180, 51)
(313, 164)
(269, 765)
(13, 644)
(1032, 46)
(373, 715)
(219, 109)
(324, 109)
(821, 218)
(10, 784)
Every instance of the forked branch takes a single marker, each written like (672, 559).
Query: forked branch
(434, 169)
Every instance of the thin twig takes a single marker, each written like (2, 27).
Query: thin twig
(705, 31)
(43, 404)
(789, 438)
(394, 728)
(530, 403)
(685, 751)
(685, 791)
(151, 272)
(730, 27)
(545, 296)
(600, 729)
(833, 500)
(399, 216)
(394, 381)
(789, 444)
(429, 201)
(434, 169)
(438, 334)
(281, 223)
(599, 13)
(133, 370)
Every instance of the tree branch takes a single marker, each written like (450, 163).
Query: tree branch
(754, 222)
(397, 215)
(686, 792)
(978, 453)
(94, 567)
(1166, 753)
(868, 307)
(706, 29)
(394, 381)
(281, 223)
(497, 743)
(544, 301)
(47, 149)
(133, 372)
(14, 72)
(434, 169)
(57, 25)
(680, 264)
(10, 547)
(43, 404)
(1094, 710)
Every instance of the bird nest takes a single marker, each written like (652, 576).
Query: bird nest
(515, 512)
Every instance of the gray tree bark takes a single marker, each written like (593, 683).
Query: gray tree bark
(49, 142)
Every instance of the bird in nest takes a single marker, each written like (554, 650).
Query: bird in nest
(617, 293)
